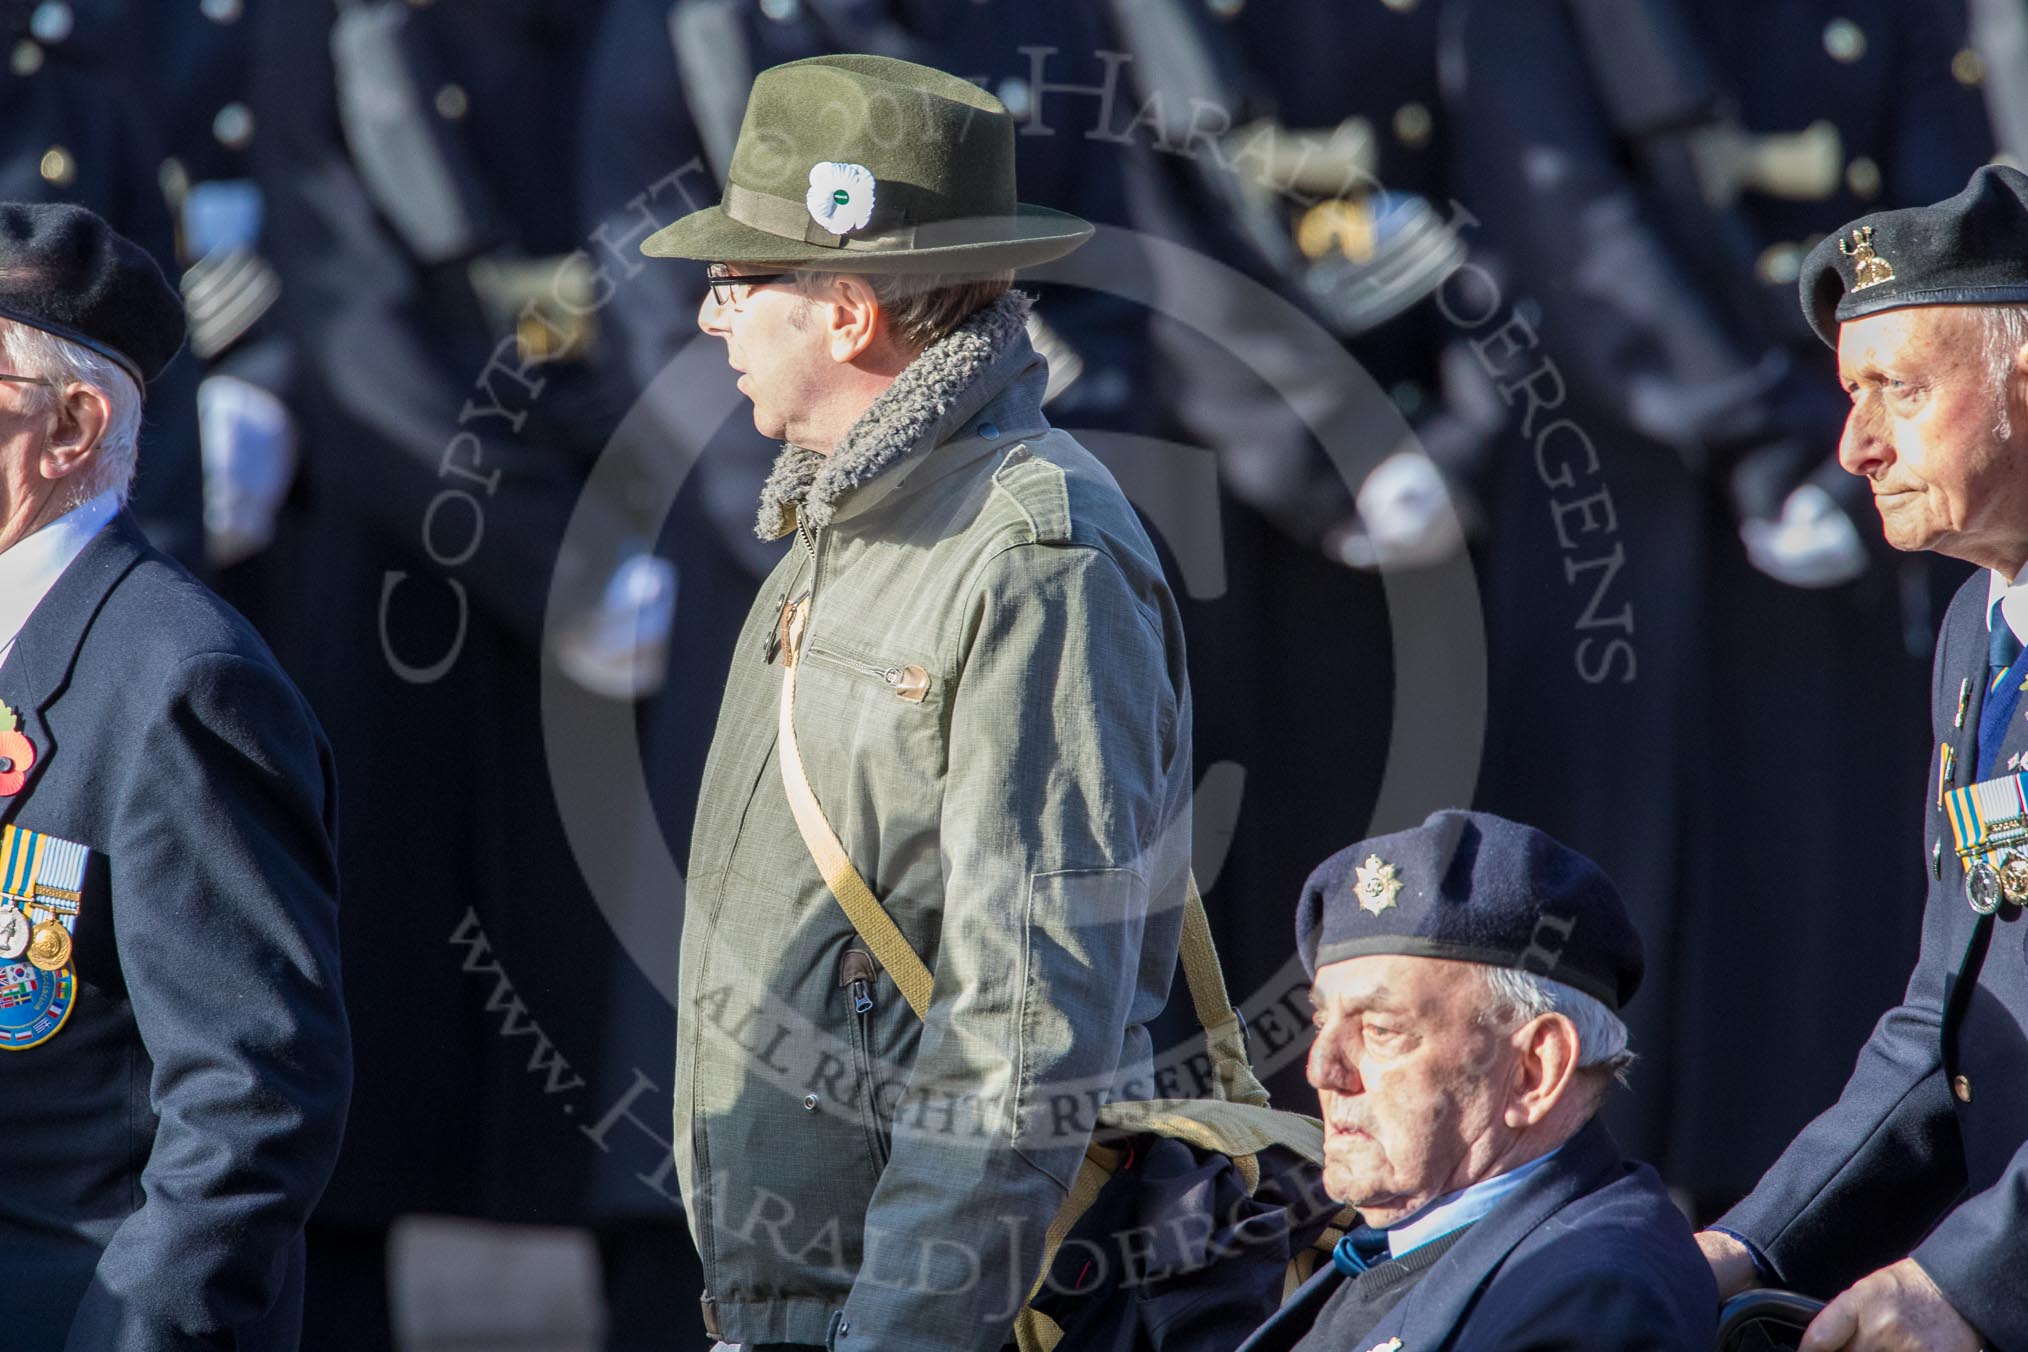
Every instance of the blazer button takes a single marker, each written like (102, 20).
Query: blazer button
(1961, 1085)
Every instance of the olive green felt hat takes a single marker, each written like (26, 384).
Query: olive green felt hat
(869, 164)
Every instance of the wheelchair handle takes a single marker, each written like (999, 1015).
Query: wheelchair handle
(1785, 1310)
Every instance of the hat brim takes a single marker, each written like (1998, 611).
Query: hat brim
(1031, 236)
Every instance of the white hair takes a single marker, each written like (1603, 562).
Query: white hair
(36, 352)
(1518, 996)
(2006, 332)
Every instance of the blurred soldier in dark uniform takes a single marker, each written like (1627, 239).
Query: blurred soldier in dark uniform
(1361, 183)
(1298, 147)
(416, 164)
(191, 56)
(1645, 174)
(1997, 61)
(71, 130)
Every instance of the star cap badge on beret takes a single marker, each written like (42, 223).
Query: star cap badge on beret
(871, 164)
(65, 271)
(1473, 887)
(1971, 249)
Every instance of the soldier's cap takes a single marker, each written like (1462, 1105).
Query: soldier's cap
(65, 271)
(1971, 249)
(871, 164)
(1476, 888)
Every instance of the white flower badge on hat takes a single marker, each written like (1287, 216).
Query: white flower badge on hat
(841, 196)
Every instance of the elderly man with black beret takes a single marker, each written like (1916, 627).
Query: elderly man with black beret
(1468, 978)
(174, 1064)
(1908, 1199)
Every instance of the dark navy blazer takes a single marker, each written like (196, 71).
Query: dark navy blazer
(159, 1154)
(1588, 1253)
(1926, 1151)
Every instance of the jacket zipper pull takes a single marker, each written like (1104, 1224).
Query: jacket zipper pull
(771, 646)
(855, 973)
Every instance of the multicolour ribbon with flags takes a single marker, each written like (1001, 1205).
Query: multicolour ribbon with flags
(43, 877)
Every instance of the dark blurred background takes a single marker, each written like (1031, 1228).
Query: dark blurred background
(1491, 289)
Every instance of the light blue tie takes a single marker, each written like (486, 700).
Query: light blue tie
(1359, 1250)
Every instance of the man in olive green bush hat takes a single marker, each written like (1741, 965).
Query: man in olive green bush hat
(962, 690)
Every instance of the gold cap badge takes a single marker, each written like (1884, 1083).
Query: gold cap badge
(1376, 885)
(1868, 267)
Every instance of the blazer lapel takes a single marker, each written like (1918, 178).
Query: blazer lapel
(38, 668)
(1437, 1305)
(1295, 1318)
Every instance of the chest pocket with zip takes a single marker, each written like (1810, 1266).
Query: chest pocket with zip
(873, 731)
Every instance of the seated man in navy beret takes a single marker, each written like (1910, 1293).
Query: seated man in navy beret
(174, 1064)
(1467, 977)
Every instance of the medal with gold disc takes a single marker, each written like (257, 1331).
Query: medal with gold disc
(50, 948)
(41, 885)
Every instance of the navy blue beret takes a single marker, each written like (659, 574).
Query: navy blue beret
(1971, 249)
(1479, 888)
(64, 270)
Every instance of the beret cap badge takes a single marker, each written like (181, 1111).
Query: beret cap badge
(1868, 267)
(1376, 884)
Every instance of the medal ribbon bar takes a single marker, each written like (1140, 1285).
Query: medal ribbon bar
(1988, 816)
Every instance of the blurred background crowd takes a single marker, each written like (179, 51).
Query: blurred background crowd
(1388, 291)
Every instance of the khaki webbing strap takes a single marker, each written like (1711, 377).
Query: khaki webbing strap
(1221, 1126)
(1099, 1165)
(890, 946)
(1224, 1032)
(1201, 972)
(1035, 1331)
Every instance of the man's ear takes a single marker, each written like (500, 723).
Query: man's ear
(78, 421)
(857, 321)
(1545, 1068)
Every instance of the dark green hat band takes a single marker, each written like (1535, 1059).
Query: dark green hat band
(790, 218)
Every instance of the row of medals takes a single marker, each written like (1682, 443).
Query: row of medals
(1987, 884)
(47, 945)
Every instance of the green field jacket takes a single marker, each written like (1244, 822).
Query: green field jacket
(994, 713)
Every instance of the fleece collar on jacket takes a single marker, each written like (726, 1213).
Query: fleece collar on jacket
(948, 382)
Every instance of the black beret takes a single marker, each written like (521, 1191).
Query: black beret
(1971, 249)
(64, 270)
(1479, 888)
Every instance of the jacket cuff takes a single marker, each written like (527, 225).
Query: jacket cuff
(1763, 1267)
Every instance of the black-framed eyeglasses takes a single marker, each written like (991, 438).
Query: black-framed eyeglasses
(725, 283)
(29, 380)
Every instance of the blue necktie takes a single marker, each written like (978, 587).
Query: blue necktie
(2002, 648)
(1359, 1250)
(2003, 694)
